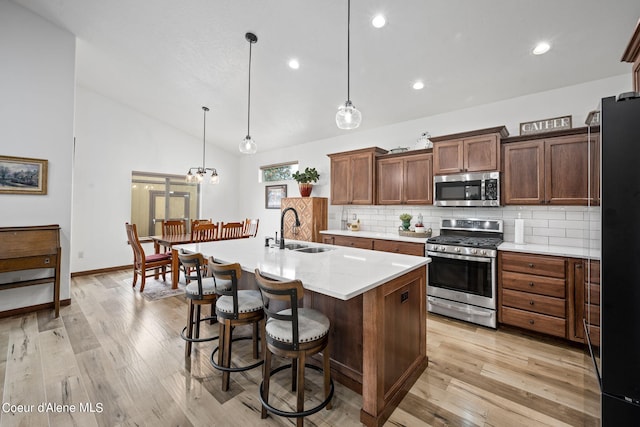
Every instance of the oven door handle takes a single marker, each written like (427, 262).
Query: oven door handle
(466, 310)
(460, 257)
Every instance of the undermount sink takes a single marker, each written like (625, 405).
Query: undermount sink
(294, 246)
(314, 250)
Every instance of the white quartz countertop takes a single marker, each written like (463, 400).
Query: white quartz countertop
(341, 272)
(374, 235)
(567, 251)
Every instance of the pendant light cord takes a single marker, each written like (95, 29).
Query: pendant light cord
(249, 95)
(348, 48)
(204, 134)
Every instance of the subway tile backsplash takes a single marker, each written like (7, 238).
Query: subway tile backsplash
(575, 226)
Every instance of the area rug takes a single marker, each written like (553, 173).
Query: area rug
(156, 289)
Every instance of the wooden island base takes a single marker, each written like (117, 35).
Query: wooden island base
(378, 341)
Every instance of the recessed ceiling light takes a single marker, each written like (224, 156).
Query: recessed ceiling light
(293, 63)
(418, 85)
(378, 21)
(541, 48)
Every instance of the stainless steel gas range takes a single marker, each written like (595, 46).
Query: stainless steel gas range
(462, 274)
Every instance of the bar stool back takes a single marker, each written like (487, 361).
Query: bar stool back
(295, 333)
(198, 292)
(234, 308)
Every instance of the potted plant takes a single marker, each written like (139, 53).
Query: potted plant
(305, 180)
(406, 220)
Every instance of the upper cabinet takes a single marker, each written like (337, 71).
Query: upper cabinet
(632, 55)
(474, 151)
(353, 176)
(557, 168)
(405, 178)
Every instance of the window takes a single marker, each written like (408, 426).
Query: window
(277, 172)
(155, 197)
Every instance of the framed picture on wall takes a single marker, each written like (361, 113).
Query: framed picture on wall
(273, 194)
(20, 175)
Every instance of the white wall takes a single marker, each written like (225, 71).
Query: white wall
(574, 100)
(37, 78)
(112, 140)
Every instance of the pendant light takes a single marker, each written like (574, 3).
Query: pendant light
(348, 116)
(248, 145)
(201, 172)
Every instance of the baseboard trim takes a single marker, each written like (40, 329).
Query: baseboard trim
(101, 270)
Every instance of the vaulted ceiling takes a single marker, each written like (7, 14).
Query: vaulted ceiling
(168, 58)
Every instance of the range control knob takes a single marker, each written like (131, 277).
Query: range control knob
(457, 249)
(484, 252)
(473, 251)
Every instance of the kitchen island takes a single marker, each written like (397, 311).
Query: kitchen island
(376, 302)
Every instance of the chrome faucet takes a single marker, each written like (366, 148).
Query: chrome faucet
(297, 224)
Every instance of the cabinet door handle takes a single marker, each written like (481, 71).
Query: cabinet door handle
(578, 265)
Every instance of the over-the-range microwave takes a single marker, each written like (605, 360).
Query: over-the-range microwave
(467, 189)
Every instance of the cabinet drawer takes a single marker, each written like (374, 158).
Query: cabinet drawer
(534, 321)
(27, 263)
(534, 264)
(406, 248)
(353, 242)
(533, 302)
(541, 285)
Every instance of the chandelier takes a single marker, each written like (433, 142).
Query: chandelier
(198, 173)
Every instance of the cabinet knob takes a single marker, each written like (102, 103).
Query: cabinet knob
(531, 284)
(530, 265)
(531, 321)
(578, 265)
(531, 302)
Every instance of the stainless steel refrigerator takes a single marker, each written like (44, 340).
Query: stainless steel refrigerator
(620, 260)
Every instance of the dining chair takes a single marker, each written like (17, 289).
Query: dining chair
(172, 227)
(194, 222)
(143, 263)
(232, 230)
(297, 333)
(251, 227)
(204, 232)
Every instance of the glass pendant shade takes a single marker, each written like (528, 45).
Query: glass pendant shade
(248, 145)
(215, 179)
(348, 116)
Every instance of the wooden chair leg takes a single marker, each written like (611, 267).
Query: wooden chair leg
(300, 387)
(266, 377)
(294, 372)
(143, 280)
(187, 347)
(255, 340)
(135, 278)
(226, 358)
(326, 371)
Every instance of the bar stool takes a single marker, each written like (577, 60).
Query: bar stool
(295, 333)
(234, 308)
(199, 293)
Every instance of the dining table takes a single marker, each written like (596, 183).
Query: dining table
(168, 242)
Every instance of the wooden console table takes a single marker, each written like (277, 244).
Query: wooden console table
(30, 248)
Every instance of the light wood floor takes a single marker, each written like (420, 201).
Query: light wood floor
(114, 352)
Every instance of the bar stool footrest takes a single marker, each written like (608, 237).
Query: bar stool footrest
(184, 336)
(292, 414)
(232, 369)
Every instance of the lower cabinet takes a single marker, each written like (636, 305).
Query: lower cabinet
(550, 294)
(533, 292)
(396, 246)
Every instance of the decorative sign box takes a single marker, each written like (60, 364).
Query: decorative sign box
(546, 125)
